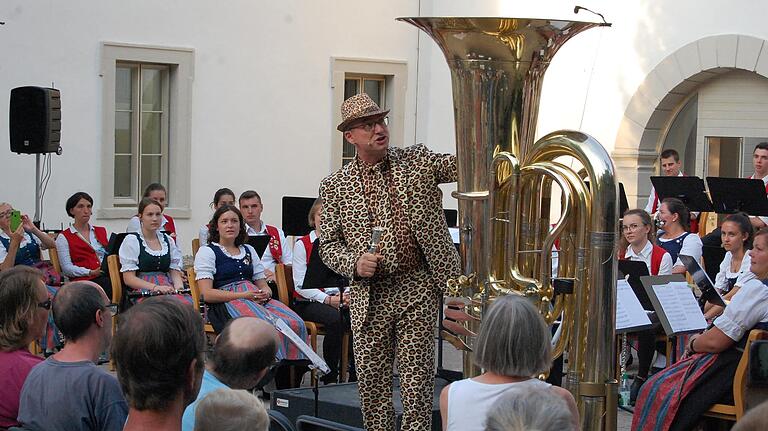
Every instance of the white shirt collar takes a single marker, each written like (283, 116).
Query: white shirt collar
(644, 253)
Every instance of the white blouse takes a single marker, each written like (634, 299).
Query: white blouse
(743, 276)
(129, 251)
(748, 307)
(205, 261)
(665, 267)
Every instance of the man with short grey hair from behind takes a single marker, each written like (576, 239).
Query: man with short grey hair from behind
(231, 410)
(529, 409)
(242, 355)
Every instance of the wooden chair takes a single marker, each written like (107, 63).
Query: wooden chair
(53, 256)
(285, 289)
(195, 246)
(736, 411)
(196, 294)
(113, 264)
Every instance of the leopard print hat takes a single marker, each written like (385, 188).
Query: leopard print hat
(357, 107)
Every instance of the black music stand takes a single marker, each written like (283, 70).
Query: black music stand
(451, 217)
(259, 243)
(636, 269)
(623, 202)
(318, 274)
(732, 195)
(690, 190)
(295, 213)
(705, 285)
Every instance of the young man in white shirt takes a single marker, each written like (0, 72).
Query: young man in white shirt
(279, 250)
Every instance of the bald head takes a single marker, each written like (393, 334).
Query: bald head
(243, 351)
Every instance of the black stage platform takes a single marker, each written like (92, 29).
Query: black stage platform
(341, 403)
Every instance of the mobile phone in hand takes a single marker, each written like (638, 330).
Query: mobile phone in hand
(15, 220)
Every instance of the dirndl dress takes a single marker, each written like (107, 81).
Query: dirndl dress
(236, 275)
(153, 268)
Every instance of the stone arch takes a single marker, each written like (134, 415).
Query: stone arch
(664, 92)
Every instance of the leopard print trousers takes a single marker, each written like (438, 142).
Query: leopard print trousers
(398, 323)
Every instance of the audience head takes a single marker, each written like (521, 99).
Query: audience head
(150, 213)
(673, 211)
(227, 221)
(243, 352)
(759, 254)
(159, 352)
(670, 163)
(81, 308)
(231, 410)
(157, 192)
(223, 196)
(79, 207)
(637, 228)
(314, 214)
(760, 160)
(251, 207)
(514, 339)
(24, 305)
(736, 232)
(523, 409)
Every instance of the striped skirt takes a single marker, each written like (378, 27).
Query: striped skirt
(676, 397)
(161, 279)
(246, 307)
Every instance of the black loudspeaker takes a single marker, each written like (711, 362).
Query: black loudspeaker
(35, 120)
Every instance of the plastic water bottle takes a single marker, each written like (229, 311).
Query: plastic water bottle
(624, 389)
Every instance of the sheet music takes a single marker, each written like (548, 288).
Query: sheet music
(680, 307)
(317, 361)
(629, 311)
(454, 234)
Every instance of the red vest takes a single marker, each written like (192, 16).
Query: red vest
(656, 255)
(81, 253)
(275, 248)
(169, 226)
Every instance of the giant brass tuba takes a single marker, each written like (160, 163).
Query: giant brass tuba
(505, 186)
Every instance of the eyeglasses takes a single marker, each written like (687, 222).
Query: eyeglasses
(112, 308)
(631, 228)
(369, 125)
(5, 214)
(45, 304)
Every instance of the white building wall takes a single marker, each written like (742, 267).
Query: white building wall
(261, 96)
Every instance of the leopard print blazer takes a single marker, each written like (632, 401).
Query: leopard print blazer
(346, 226)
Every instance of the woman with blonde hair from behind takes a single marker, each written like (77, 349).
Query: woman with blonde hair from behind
(513, 347)
(529, 410)
(231, 410)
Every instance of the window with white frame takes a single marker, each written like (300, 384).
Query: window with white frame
(141, 129)
(146, 126)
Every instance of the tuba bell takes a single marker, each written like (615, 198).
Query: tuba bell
(505, 186)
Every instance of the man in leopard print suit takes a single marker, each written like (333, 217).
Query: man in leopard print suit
(395, 290)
